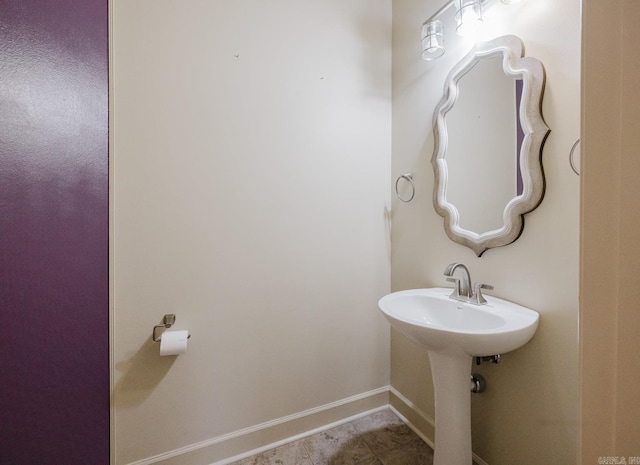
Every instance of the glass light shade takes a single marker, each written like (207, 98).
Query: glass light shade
(511, 2)
(468, 17)
(432, 40)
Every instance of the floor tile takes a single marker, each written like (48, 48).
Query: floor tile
(371, 461)
(380, 438)
(289, 454)
(416, 453)
(384, 431)
(337, 446)
(379, 419)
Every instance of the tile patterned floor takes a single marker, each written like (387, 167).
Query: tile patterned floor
(377, 439)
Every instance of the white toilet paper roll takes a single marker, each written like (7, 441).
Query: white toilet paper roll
(173, 342)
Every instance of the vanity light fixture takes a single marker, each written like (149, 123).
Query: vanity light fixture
(432, 39)
(468, 17)
(468, 22)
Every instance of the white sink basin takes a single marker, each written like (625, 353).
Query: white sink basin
(437, 322)
(453, 332)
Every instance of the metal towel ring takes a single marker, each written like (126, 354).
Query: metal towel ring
(573, 148)
(409, 178)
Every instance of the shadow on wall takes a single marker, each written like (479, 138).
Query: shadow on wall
(142, 373)
(377, 45)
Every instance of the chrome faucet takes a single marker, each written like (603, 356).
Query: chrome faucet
(464, 290)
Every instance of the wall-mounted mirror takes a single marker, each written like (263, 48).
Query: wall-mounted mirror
(489, 133)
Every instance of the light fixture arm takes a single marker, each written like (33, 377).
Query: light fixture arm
(441, 10)
(446, 6)
(432, 35)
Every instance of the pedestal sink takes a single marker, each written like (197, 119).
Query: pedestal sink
(454, 332)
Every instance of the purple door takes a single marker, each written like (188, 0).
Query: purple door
(54, 357)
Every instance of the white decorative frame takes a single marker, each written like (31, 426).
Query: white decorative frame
(531, 71)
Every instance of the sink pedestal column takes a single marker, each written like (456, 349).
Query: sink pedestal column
(451, 374)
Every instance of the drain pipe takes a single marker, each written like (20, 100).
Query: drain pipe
(491, 358)
(478, 384)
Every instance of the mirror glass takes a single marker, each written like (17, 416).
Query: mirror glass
(486, 100)
(489, 135)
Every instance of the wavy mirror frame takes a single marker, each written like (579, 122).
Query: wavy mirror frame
(531, 71)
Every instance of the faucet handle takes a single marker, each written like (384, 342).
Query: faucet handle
(477, 297)
(457, 291)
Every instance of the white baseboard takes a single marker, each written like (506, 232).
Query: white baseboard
(246, 442)
(421, 423)
(255, 439)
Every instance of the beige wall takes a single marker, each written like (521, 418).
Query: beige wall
(528, 414)
(248, 198)
(250, 167)
(610, 305)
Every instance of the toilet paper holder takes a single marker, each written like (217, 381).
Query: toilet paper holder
(167, 321)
